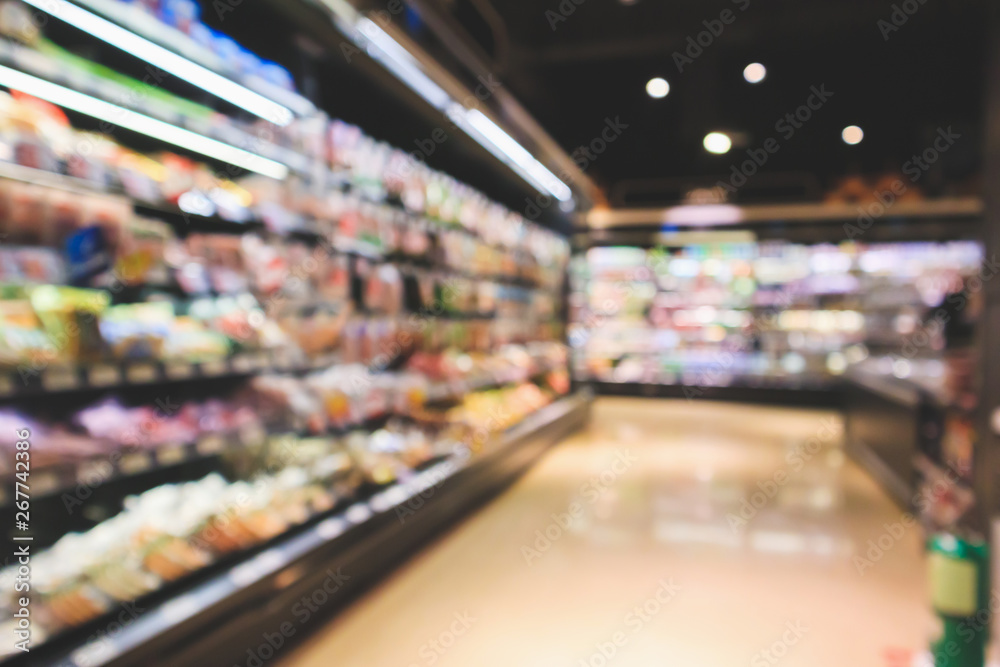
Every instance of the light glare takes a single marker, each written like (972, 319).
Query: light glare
(754, 73)
(852, 135)
(718, 143)
(657, 88)
(509, 148)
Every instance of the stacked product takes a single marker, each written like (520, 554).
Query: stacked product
(773, 314)
(303, 466)
(361, 317)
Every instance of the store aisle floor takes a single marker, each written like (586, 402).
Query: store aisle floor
(656, 565)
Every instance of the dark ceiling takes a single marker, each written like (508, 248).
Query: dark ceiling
(575, 63)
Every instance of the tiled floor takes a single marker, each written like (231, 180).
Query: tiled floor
(631, 545)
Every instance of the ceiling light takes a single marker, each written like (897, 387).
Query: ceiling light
(657, 88)
(852, 135)
(130, 120)
(166, 60)
(754, 72)
(717, 142)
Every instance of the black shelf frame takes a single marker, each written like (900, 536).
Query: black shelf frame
(805, 394)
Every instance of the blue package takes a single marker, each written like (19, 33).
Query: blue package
(87, 255)
(225, 47)
(277, 75)
(180, 14)
(203, 35)
(249, 63)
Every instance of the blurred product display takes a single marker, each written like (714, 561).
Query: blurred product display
(884, 330)
(216, 347)
(768, 314)
(257, 328)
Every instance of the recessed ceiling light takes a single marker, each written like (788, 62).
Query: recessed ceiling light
(657, 88)
(852, 135)
(754, 72)
(717, 142)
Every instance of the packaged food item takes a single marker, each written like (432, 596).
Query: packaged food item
(70, 317)
(25, 212)
(342, 390)
(141, 256)
(288, 404)
(87, 255)
(137, 331)
(334, 278)
(223, 258)
(191, 340)
(382, 287)
(241, 319)
(23, 340)
(319, 331)
(17, 22)
(168, 556)
(378, 466)
(180, 14)
(21, 265)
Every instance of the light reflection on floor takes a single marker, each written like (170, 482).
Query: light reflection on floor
(555, 569)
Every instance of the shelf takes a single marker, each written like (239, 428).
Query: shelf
(48, 480)
(163, 210)
(29, 61)
(729, 215)
(184, 223)
(363, 542)
(121, 376)
(131, 18)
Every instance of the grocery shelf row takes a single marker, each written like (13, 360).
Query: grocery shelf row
(330, 322)
(131, 460)
(207, 621)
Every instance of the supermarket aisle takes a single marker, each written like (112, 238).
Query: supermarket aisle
(656, 564)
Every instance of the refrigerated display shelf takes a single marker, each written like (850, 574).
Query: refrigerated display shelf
(794, 312)
(187, 622)
(115, 376)
(143, 24)
(207, 622)
(117, 466)
(27, 60)
(128, 462)
(185, 222)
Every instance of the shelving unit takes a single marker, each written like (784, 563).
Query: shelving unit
(753, 315)
(353, 541)
(640, 327)
(375, 371)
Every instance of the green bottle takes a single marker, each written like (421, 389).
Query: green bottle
(960, 595)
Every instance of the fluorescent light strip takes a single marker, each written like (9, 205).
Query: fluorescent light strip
(400, 62)
(460, 120)
(382, 47)
(519, 154)
(137, 122)
(166, 60)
